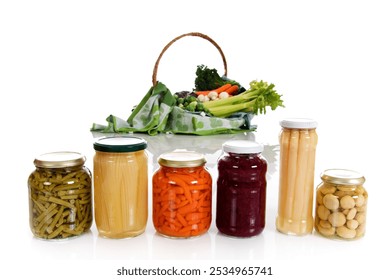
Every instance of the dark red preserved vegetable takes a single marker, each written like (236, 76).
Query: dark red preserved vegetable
(241, 189)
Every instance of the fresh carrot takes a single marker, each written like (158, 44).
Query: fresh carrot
(217, 90)
(222, 88)
(203, 92)
(232, 90)
(182, 201)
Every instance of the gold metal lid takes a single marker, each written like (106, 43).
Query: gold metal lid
(342, 177)
(182, 158)
(59, 160)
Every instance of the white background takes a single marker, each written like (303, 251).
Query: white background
(67, 64)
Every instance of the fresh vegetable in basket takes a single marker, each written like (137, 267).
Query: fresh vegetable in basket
(188, 101)
(209, 79)
(215, 105)
(157, 113)
(259, 96)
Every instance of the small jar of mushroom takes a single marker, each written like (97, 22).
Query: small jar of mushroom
(341, 204)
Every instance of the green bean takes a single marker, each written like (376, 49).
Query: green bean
(55, 220)
(62, 202)
(73, 196)
(56, 232)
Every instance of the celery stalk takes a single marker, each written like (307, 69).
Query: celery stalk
(227, 110)
(255, 100)
(241, 98)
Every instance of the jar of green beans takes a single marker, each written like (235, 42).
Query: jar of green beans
(60, 197)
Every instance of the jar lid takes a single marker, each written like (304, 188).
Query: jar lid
(242, 147)
(182, 158)
(342, 177)
(120, 144)
(59, 160)
(298, 123)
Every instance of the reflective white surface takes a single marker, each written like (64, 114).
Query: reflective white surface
(64, 66)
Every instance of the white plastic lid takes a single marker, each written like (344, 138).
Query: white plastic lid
(242, 147)
(298, 123)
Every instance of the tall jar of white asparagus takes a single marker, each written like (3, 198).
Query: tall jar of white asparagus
(298, 141)
(60, 196)
(341, 204)
(120, 186)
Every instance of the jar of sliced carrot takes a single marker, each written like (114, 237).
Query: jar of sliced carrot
(182, 195)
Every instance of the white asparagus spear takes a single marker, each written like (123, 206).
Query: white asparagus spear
(284, 146)
(309, 182)
(303, 155)
(291, 174)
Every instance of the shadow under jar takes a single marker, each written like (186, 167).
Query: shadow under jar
(60, 196)
(241, 189)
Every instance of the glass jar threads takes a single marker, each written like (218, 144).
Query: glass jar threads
(60, 200)
(120, 186)
(341, 204)
(241, 189)
(298, 141)
(182, 195)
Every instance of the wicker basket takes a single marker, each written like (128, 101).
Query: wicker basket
(195, 34)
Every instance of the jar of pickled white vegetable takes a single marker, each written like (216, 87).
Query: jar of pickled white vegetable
(60, 196)
(298, 141)
(341, 204)
(120, 175)
(182, 195)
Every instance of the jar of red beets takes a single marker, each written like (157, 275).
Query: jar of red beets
(241, 189)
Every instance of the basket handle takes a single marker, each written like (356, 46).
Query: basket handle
(196, 34)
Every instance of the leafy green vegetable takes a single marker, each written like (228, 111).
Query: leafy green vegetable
(209, 79)
(259, 96)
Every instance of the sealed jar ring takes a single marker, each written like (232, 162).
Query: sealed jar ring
(241, 189)
(341, 204)
(182, 195)
(120, 186)
(60, 196)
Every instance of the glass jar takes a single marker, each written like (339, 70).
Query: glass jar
(120, 186)
(298, 141)
(241, 189)
(182, 195)
(341, 204)
(60, 202)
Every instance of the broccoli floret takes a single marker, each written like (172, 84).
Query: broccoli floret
(199, 107)
(192, 106)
